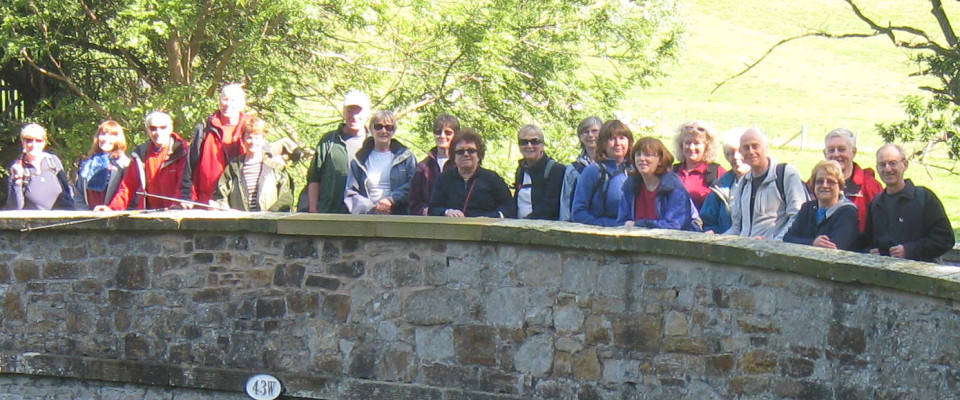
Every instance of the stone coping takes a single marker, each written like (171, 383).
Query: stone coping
(927, 279)
(222, 379)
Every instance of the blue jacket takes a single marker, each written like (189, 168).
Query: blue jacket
(716, 208)
(672, 204)
(356, 196)
(842, 225)
(596, 203)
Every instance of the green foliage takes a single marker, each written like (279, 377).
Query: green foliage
(496, 64)
(929, 122)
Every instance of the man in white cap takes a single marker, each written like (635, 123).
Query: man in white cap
(327, 177)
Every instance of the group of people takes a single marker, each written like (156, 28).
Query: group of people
(361, 168)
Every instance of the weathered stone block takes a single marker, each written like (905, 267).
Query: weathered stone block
(801, 389)
(211, 295)
(719, 364)
(597, 330)
(847, 339)
(132, 273)
(13, 307)
(349, 269)
(444, 375)
(506, 307)
(586, 366)
(300, 248)
(303, 302)
(621, 370)
(202, 258)
(688, 345)
(336, 307)
(535, 355)
(26, 270)
(797, 367)
(579, 276)
(5, 275)
(749, 385)
(61, 270)
(271, 308)
(73, 253)
(135, 347)
(539, 270)
(288, 275)
(209, 242)
(675, 324)
(568, 319)
(399, 272)
(637, 332)
(434, 306)
(750, 324)
(475, 344)
(758, 362)
(322, 282)
(435, 344)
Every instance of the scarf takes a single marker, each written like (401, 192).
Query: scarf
(96, 171)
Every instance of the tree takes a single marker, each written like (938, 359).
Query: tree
(932, 121)
(496, 64)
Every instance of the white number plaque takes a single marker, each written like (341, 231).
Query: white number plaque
(264, 387)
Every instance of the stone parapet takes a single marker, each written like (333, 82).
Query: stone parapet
(349, 307)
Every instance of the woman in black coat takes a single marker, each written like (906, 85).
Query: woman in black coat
(829, 221)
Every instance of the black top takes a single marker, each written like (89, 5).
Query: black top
(485, 194)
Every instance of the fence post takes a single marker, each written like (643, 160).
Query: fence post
(803, 137)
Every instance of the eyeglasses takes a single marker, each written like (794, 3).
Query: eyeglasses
(531, 142)
(443, 133)
(389, 128)
(825, 182)
(158, 127)
(463, 152)
(33, 140)
(884, 164)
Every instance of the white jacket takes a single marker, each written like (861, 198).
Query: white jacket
(772, 215)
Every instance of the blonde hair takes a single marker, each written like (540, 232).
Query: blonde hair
(697, 129)
(832, 168)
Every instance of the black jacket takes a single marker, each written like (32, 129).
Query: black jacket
(923, 229)
(544, 187)
(489, 195)
(841, 225)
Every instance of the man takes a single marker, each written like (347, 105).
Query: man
(158, 168)
(860, 185)
(216, 142)
(768, 197)
(905, 221)
(327, 177)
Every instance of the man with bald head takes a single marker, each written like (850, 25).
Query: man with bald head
(905, 221)
(765, 203)
(860, 184)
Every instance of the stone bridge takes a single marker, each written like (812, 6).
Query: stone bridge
(189, 305)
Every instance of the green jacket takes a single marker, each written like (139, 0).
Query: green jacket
(275, 186)
(330, 168)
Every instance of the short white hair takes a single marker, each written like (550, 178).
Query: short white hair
(33, 129)
(157, 114)
(233, 90)
(842, 133)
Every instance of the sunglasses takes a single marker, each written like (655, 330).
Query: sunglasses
(531, 142)
(462, 152)
(158, 127)
(33, 140)
(389, 128)
(443, 133)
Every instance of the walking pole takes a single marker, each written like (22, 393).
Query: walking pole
(192, 203)
(83, 221)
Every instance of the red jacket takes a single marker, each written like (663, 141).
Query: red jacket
(209, 157)
(165, 183)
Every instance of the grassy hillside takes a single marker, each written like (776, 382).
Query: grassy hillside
(813, 82)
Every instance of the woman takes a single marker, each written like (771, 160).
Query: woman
(257, 180)
(715, 212)
(597, 196)
(829, 221)
(378, 181)
(470, 190)
(587, 133)
(445, 128)
(101, 173)
(697, 147)
(654, 197)
(538, 179)
(37, 179)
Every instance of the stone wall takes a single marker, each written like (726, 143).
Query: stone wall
(190, 304)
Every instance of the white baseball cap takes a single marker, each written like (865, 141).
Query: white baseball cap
(356, 98)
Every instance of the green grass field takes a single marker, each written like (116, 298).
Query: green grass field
(817, 83)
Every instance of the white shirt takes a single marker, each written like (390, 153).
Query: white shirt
(378, 174)
(524, 203)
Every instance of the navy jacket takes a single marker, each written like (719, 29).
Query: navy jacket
(544, 191)
(672, 203)
(923, 229)
(841, 225)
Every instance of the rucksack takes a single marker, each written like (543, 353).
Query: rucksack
(779, 181)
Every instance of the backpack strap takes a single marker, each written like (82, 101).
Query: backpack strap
(601, 184)
(920, 193)
(711, 176)
(780, 171)
(547, 168)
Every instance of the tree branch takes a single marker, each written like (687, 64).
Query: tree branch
(785, 41)
(142, 71)
(944, 22)
(66, 80)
